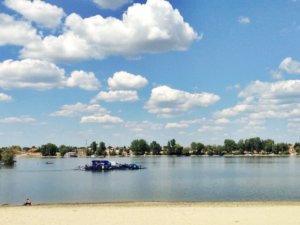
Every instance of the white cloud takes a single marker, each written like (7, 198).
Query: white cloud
(244, 20)
(40, 12)
(21, 119)
(145, 28)
(210, 128)
(142, 126)
(41, 75)
(16, 32)
(66, 47)
(5, 98)
(119, 95)
(221, 121)
(84, 80)
(176, 125)
(101, 119)
(111, 4)
(123, 80)
(29, 73)
(276, 74)
(79, 109)
(234, 87)
(264, 100)
(290, 66)
(165, 101)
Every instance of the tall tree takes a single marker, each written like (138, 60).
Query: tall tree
(197, 148)
(139, 147)
(230, 145)
(93, 147)
(178, 150)
(171, 150)
(63, 149)
(297, 147)
(155, 148)
(241, 146)
(48, 149)
(101, 149)
(268, 145)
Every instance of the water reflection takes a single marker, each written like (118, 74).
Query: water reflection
(165, 179)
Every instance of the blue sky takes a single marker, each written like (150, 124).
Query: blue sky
(72, 72)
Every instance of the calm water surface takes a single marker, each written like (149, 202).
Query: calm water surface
(165, 179)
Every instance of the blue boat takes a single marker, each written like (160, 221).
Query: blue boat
(105, 165)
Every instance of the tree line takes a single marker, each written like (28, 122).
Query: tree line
(248, 146)
(254, 145)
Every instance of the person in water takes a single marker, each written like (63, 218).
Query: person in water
(28, 202)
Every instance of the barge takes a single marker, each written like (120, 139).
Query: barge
(105, 165)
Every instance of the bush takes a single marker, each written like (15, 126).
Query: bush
(48, 149)
(8, 156)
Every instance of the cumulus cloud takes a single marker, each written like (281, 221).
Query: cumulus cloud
(264, 100)
(83, 80)
(244, 20)
(290, 66)
(123, 80)
(16, 32)
(144, 28)
(79, 109)
(5, 98)
(101, 119)
(119, 95)
(176, 125)
(165, 101)
(29, 73)
(66, 47)
(40, 12)
(111, 4)
(20, 119)
(41, 75)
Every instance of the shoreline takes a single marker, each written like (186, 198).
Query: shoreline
(157, 204)
(38, 156)
(158, 213)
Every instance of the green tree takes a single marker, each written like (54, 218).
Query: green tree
(268, 145)
(113, 153)
(230, 146)
(219, 150)
(178, 150)
(171, 150)
(253, 144)
(139, 147)
(155, 148)
(63, 149)
(186, 151)
(197, 148)
(297, 147)
(283, 148)
(48, 149)
(93, 147)
(241, 146)
(101, 150)
(8, 156)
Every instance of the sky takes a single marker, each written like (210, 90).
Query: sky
(73, 72)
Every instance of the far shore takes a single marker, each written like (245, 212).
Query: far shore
(38, 155)
(158, 213)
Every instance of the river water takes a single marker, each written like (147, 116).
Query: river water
(164, 179)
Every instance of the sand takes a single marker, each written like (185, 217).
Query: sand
(273, 213)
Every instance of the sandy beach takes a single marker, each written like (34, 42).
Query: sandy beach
(281, 213)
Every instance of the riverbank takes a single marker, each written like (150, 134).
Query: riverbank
(215, 213)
